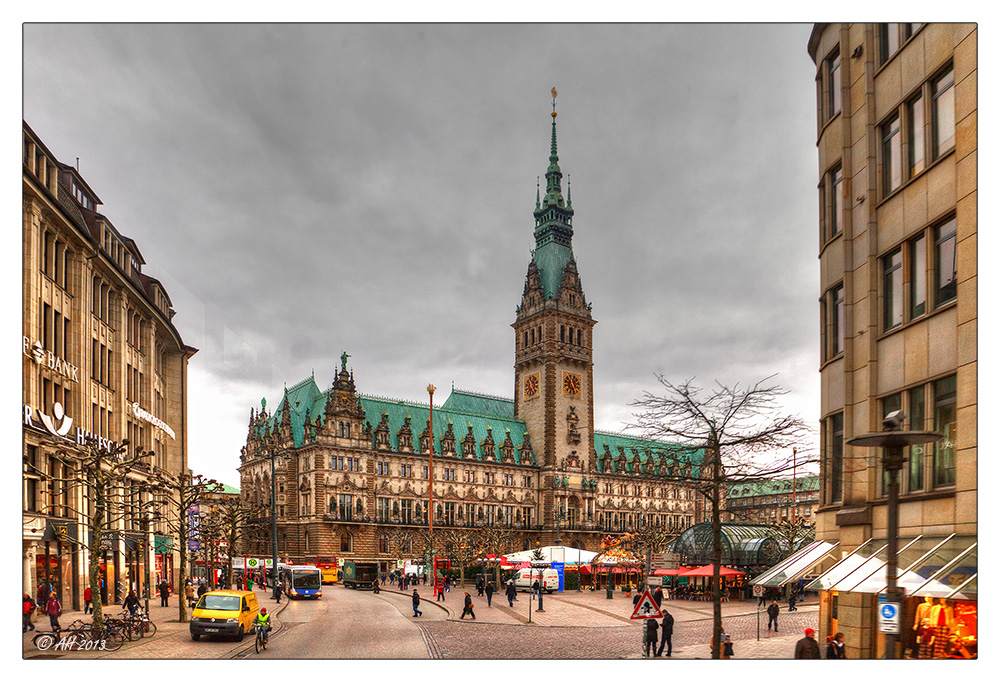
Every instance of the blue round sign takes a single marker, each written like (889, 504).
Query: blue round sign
(888, 611)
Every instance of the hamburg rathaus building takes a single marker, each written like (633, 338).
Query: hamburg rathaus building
(352, 471)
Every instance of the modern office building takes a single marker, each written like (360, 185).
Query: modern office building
(358, 469)
(896, 111)
(102, 358)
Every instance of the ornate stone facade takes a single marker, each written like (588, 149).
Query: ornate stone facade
(357, 468)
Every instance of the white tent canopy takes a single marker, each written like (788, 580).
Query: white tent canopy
(557, 553)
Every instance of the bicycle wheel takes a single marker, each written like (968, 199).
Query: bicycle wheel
(150, 628)
(112, 638)
(43, 641)
(259, 642)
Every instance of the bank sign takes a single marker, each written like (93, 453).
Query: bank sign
(60, 425)
(47, 358)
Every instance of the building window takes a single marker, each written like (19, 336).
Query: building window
(915, 135)
(345, 507)
(892, 290)
(892, 159)
(890, 404)
(832, 312)
(945, 274)
(833, 77)
(832, 202)
(888, 41)
(915, 456)
(406, 511)
(835, 458)
(346, 542)
(945, 424)
(383, 544)
(918, 277)
(943, 112)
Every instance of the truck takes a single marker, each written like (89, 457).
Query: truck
(548, 578)
(360, 574)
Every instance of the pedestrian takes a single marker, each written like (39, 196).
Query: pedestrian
(277, 593)
(511, 593)
(635, 599)
(807, 646)
(416, 605)
(727, 645)
(772, 615)
(489, 595)
(164, 592)
(468, 608)
(666, 633)
(425, 578)
(375, 589)
(87, 601)
(658, 596)
(43, 596)
(536, 588)
(250, 583)
(29, 607)
(791, 601)
(202, 588)
(440, 592)
(447, 583)
(835, 649)
(479, 586)
(131, 602)
(651, 627)
(54, 609)
(189, 594)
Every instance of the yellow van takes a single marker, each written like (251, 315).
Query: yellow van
(224, 613)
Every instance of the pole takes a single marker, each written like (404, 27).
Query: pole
(531, 575)
(892, 463)
(794, 505)
(274, 533)
(430, 485)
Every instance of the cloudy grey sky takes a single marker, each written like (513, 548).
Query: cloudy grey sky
(302, 190)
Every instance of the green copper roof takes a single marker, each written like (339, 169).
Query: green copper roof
(553, 225)
(641, 447)
(775, 487)
(480, 403)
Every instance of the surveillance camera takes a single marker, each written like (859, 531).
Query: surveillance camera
(893, 421)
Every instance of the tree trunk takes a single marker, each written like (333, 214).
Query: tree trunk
(94, 560)
(182, 573)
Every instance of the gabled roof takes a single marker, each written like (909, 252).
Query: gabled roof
(774, 487)
(480, 403)
(642, 447)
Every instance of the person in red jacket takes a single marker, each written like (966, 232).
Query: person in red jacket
(87, 608)
(29, 606)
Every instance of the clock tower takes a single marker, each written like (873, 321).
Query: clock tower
(553, 338)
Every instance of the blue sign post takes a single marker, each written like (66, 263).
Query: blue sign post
(560, 568)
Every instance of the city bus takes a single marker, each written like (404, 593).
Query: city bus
(300, 581)
(328, 569)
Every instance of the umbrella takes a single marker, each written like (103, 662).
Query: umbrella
(669, 571)
(707, 570)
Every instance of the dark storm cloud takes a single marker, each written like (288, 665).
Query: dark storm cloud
(302, 190)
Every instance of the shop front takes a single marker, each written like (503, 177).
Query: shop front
(163, 558)
(938, 615)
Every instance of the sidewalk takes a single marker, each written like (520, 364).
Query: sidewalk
(168, 642)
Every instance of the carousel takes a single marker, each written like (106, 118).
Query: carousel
(615, 566)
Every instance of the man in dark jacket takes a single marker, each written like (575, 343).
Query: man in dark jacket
(772, 615)
(658, 596)
(164, 588)
(489, 594)
(666, 632)
(202, 589)
(792, 598)
(416, 605)
(807, 647)
(511, 593)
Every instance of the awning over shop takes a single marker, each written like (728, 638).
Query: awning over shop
(668, 571)
(797, 565)
(927, 567)
(708, 571)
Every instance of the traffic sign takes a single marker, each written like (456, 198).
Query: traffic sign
(888, 618)
(252, 562)
(758, 590)
(646, 608)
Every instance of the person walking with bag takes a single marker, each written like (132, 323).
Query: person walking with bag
(468, 609)
(54, 609)
(835, 649)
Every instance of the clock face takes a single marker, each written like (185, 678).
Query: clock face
(571, 384)
(531, 386)
(344, 400)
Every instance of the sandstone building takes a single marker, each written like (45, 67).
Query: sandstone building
(355, 468)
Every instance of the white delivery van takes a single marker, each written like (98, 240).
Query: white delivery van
(548, 578)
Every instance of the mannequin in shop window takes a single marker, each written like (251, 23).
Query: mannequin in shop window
(925, 639)
(943, 619)
(923, 612)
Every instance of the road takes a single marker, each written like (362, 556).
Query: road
(349, 624)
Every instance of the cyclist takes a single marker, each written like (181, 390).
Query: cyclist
(263, 619)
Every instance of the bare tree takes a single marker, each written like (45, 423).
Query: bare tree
(464, 546)
(234, 516)
(717, 438)
(497, 540)
(793, 534)
(101, 474)
(181, 493)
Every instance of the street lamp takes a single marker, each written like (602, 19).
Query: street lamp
(273, 452)
(892, 439)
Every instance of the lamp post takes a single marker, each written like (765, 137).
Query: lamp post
(430, 487)
(272, 453)
(893, 440)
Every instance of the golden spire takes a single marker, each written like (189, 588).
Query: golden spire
(554, 103)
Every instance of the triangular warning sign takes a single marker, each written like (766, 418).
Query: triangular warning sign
(646, 608)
